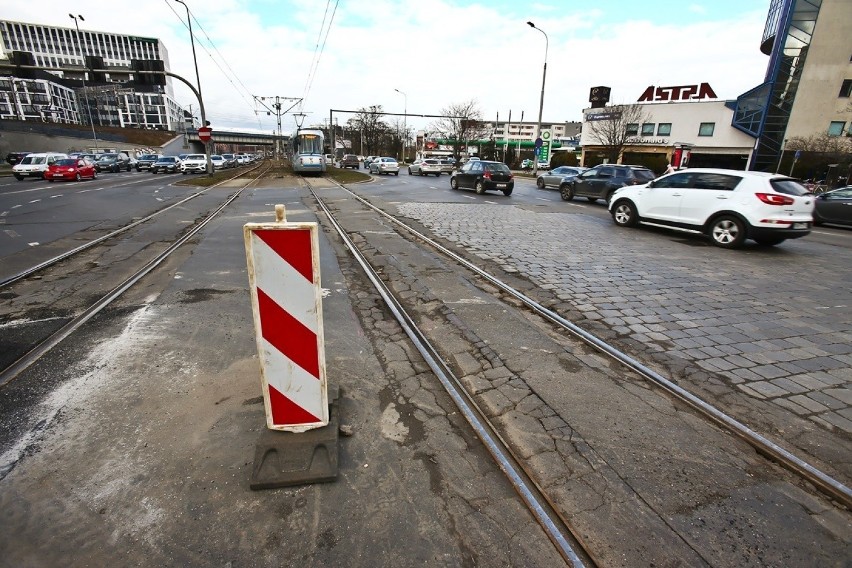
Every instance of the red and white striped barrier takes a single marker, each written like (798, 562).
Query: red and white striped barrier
(284, 275)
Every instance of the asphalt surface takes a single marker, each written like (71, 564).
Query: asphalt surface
(142, 451)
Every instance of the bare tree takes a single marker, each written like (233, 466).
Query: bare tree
(369, 121)
(820, 156)
(609, 128)
(461, 122)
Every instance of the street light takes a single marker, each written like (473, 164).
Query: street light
(198, 83)
(404, 122)
(85, 93)
(543, 77)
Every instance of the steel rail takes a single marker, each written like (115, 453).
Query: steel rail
(25, 361)
(826, 484)
(51, 261)
(532, 495)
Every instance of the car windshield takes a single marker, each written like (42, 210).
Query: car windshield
(196, 157)
(643, 175)
(149, 157)
(108, 157)
(66, 162)
(789, 187)
(497, 168)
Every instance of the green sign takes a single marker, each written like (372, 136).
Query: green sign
(544, 154)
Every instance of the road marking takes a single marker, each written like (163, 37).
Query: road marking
(543, 199)
(35, 200)
(55, 196)
(84, 190)
(16, 206)
(33, 244)
(12, 233)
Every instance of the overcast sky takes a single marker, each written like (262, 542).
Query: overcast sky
(351, 54)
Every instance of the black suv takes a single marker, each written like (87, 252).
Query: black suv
(15, 157)
(113, 162)
(145, 161)
(350, 161)
(601, 181)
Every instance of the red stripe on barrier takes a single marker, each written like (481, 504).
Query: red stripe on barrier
(287, 334)
(285, 411)
(294, 246)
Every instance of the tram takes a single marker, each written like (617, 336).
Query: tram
(307, 152)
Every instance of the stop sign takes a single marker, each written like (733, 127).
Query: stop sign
(205, 133)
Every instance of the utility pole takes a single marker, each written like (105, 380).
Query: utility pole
(274, 106)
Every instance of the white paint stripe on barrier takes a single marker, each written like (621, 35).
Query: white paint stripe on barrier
(292, 381)
(284, 285)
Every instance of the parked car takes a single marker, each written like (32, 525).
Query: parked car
(350, 161)
(384, 165)
(35, 164)
(145, 161)
(482, 176)
(557, 176)
(425, 166)
(68, 169)
(218, 162)
(834, 207)
(230, 160)
(194, 164)
(729, 206)
(15, 157)
(600, 182)
(113, 162)
(166, 164)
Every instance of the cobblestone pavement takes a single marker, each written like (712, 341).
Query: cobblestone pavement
(773, 322)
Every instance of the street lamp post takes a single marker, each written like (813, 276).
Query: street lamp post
(198, 84)
(85, 93)
(541, 103)
(404, 122)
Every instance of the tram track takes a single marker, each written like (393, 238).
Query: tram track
(824, 483)
(45, 344)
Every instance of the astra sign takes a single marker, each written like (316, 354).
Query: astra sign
(682, 93)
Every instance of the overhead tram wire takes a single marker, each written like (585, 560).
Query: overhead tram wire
(318, 51)
(171, 7)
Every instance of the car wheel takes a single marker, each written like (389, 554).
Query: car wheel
(817, 219)
(138, 169)
(76, 177)
(19, 178)
(769, 241)
(507, 192)
(409, 171)
(566, 191)
(94, 175)
(396, 173)
(539, 183)
(454, 183)
(480, 188)
(624, 214)
(50, 180)
(727, 232)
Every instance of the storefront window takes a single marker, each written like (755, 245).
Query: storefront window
(706, 128)
(664, 129)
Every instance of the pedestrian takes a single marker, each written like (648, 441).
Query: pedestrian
(669, 169)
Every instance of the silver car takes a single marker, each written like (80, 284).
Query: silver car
(425, 166)
(556, 176)
(384, 165)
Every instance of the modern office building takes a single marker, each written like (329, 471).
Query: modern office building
(106, 97)
(808, 82)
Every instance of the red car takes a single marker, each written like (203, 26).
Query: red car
(70, 169)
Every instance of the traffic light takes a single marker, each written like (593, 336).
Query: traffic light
(138, 65)
(95, 65)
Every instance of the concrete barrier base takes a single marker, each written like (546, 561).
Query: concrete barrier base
(282, 459)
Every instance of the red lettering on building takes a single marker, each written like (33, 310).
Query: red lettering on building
(678, 93)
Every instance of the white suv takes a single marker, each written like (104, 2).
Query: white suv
(729, 206)
(196, 163)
